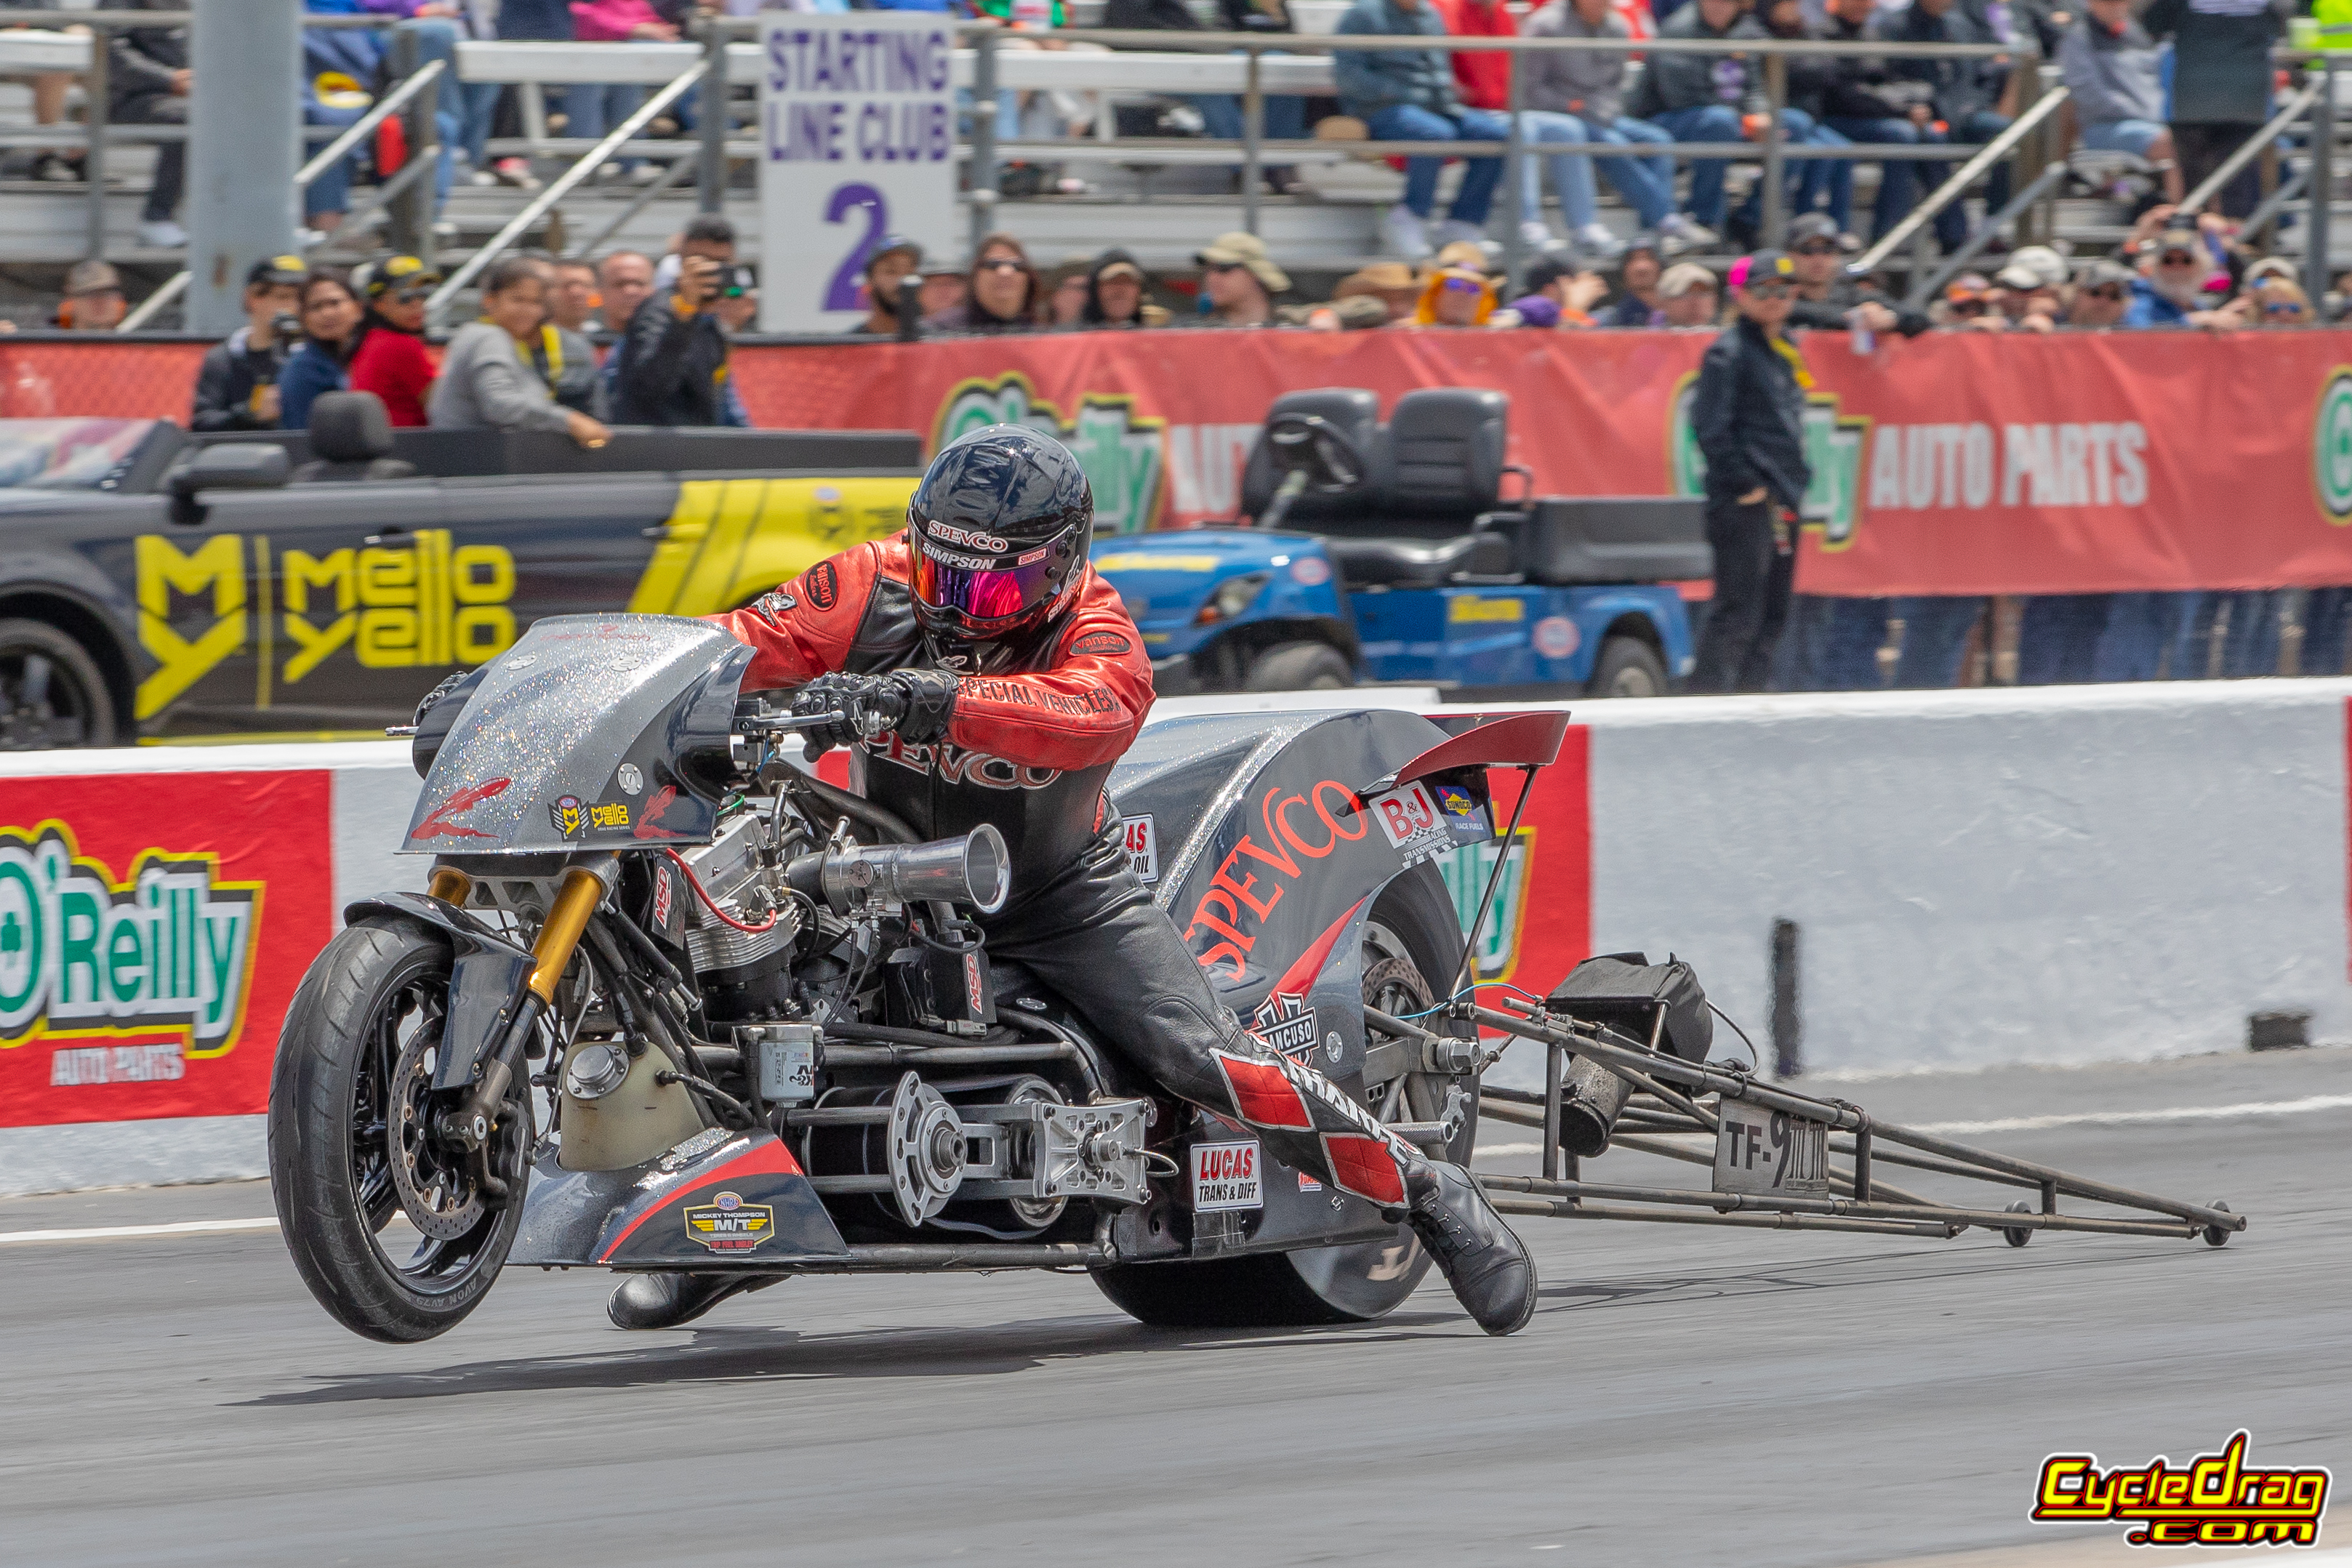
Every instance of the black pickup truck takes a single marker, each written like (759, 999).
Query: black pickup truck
(157, 586)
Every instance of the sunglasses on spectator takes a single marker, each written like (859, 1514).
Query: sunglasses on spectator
(1001, 263)
(2282, 307)
(1774, 290)
(1816, 248)
(2176, 258)
(1225, 266)
(2109, 291)
(410, 295)
(1461, 285)
(1970, 307)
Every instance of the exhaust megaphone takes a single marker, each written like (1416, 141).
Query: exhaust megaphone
(974, 869)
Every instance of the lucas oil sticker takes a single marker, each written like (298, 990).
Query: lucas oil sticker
(728, 1224)
(1226, 1176)
(1142, 848)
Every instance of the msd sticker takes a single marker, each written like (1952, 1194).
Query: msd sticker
(1411, 821)
(1142, 848)
(1226, 1176)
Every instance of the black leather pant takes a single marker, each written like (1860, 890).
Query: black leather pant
(1093, 935)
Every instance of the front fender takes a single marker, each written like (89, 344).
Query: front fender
(484, 986)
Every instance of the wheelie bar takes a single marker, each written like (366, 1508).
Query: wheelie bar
(1861, 1202)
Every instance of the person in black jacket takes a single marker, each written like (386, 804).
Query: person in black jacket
(2221, 78)
(1748, 417)
(673, 358)
(147, 83)
(1865, 101)
(236, 387)
(1963, 95)
(1827, 300)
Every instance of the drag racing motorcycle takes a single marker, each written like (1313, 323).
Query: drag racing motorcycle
(672, 1003)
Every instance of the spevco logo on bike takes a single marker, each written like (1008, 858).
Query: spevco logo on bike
(2215, 1500)
(2331, 448)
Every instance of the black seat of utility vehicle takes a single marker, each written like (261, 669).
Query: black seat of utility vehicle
(1429, 510)
(350, 437)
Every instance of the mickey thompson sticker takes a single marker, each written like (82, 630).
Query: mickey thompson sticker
(728, 1224)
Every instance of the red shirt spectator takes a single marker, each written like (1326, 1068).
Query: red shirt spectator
(1484, 75)
(394, 365)
(391, 360)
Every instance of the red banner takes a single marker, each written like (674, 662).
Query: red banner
(1953, 462)
(153, 929)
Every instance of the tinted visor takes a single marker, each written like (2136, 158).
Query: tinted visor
(982, 588)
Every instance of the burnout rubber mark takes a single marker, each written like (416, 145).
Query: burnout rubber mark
(1261, 1094)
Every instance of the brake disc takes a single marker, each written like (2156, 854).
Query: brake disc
(435, 1187)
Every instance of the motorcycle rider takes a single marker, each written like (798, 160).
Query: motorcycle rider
(987, 674)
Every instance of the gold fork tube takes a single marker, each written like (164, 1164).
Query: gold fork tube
(450, 885)
(576, 901)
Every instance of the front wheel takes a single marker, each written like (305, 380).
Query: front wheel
(350, 1109)
(1300, 667)
(1627, 667)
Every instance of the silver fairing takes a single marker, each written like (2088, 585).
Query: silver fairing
(582, 736)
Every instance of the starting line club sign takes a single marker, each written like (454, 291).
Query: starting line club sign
(857, 141)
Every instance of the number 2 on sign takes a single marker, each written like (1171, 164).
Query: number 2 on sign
(841, 294)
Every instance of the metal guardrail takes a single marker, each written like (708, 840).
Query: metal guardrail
(1953, 188)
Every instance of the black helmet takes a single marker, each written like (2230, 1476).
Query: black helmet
(998, 530)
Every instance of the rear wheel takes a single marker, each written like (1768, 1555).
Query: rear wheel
(1627, 667)
(1300, 667)
(52, 692)
(349, 1105)
(1413, 934)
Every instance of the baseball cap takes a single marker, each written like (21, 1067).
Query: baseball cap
(1240, 249)
(1545, 271)
(2272, 266)
(2044, 265)
(2104, 271)
(892, 243)
(2019, 277)
(1813, 226)
(397, 272)
(1683, 276)
(1761, 264)
(1645, 240)
(92, 277)
(1123, 268)
(275, 270)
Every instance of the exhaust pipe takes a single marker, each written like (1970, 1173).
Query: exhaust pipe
(1591, 1096)
(975, 870)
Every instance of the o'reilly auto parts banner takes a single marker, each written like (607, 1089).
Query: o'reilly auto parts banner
(153, 929)
(1952, 463)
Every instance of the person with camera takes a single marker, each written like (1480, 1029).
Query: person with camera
(672, 360)
(237, 389)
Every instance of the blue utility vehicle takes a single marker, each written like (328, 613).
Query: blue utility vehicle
(1386, 552)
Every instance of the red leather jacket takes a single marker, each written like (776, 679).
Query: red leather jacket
(1036, 728)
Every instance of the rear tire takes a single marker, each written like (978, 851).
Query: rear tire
(1300, 667)
(1627, 667)
(373, 994)
(52, 693)
(1362, 1280)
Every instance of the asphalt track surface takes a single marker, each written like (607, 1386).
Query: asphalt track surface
(1683, 1396)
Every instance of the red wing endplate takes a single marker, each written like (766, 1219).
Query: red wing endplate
(1517, 740)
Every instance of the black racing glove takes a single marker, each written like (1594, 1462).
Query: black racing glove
(833, 694)
(927, 700)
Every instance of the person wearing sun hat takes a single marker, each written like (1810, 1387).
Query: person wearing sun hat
(1239, 281)
(1748, 420)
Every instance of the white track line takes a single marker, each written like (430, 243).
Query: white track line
(2174, 1113)
(126, 1232)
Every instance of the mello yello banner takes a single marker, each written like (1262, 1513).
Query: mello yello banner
(1952, 463)
(153, 929)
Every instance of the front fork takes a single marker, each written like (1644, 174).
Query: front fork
(585, 883)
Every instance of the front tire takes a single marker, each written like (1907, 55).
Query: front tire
(347, 1098)
(52, 692)
(1412, 942)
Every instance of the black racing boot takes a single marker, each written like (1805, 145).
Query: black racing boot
(666, 1300)
(1488, 1267)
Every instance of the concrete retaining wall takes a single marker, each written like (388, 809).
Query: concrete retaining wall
(2063, 875)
